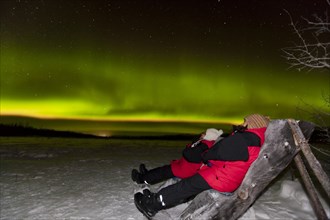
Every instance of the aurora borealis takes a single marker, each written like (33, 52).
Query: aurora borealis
(154, 60)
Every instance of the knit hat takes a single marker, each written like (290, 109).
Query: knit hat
(212, 134)
(256, 121)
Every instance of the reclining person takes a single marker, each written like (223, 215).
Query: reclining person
(223, 168)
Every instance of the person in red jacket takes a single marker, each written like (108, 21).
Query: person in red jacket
(223, 168)
(185, 167)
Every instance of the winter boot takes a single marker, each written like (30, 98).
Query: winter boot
(143, 169)
(137, 176)
(148, 203)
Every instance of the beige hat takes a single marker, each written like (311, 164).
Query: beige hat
(256, 121)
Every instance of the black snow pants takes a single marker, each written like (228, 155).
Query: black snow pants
(158, 174)
(183, 191)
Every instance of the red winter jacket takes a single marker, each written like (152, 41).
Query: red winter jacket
(227, 176)
(183, 169)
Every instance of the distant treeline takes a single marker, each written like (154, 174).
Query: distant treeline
(173, 137)
(17, 130)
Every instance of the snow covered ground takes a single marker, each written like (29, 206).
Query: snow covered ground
(54, 178)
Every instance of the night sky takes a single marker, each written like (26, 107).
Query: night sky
(196, 60)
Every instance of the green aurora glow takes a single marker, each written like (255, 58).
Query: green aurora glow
(74, 86)
(139, 82)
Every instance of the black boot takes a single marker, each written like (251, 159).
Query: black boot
(143, 169)
(137, 177)
(148, 203)
(152, 176)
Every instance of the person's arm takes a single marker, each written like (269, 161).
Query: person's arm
(232, 148)
(193, 154)
(207, 139)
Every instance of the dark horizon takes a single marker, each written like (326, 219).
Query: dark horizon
(18, 129)
(115, 128)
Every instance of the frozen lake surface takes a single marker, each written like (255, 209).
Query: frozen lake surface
(58, 178)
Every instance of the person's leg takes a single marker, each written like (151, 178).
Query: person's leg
(152, 176)
(183, 190)
(150, 203)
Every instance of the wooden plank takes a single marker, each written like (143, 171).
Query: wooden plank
(315, 201)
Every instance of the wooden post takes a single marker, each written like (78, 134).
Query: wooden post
(315, 201)
(311, 159)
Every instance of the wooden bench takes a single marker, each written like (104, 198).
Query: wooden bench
(284, 139)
